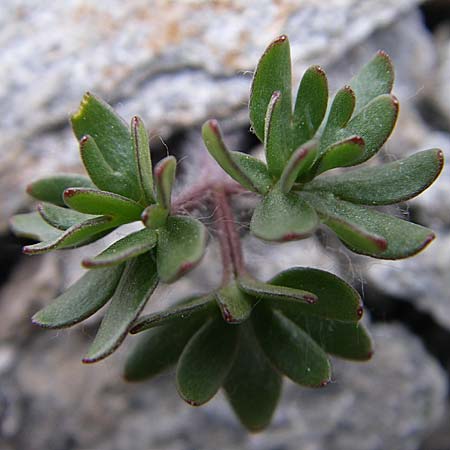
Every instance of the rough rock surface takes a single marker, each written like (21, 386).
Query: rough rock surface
(146, 60)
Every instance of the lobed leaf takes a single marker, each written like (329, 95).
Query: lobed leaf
(77, 235)
(255, 170)
(373, 79)
(342, 339)
(273, 73)
(383, 185)
(100, 172)
(230, 162)
(164, 179)
(370, 232)
(130, 246)
(137, 283)
(141, 147)
(61, 218)
(50, 189)
(292, 351)
(277, 136)
(234, 304)
(206, 361)
(310, 105)
(253, 386)
(196, 307)
(158, 350)
(265, 291)
(112, 136)
(93, 201)
(81, 300)
(283, 217)
(181, 245)
(337, 300)
(33, 226)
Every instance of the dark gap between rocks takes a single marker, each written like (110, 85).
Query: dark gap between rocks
(10, 255)
(435, 13)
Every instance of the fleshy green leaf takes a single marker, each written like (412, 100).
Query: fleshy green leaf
(130, 246)
(374, 123)
(197, 307)
(342, 339)
(337, 300)
(383, 185)
(310, 105)
(158, 349)
(137, 283)
(112, 136)
(33, 226)
(260, 290)
(234, 304)
(81, 300)
(141, 149)
(206, 361)
(164, 179)
(273, 73)
(61, 218)
(181, 245)
(50, 189)
(75, 236)
(253, 386)
(291, 350)
(277, 136)
(154, 216)
(341, 154)
(299, 162)
(213, 140)
(93, 201)
(374, 79)
(370, 232)
(283, 217)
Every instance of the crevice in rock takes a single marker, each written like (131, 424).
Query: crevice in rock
(435, 13)
(10, 256)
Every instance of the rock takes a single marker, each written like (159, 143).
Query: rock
(175, 64)
(391, 402)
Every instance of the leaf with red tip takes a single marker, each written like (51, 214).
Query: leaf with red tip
(342, 339)
(154, 216)
(81, 300)
(273, 73)
(277, 136)
(111, 134)
(386, 184)
(299, 163)
(197, 307)
(212, 137)
(310, 105)
(264, 291)
(283, 217)
(164, 179)
(234, 304)
(336, 299)
(206, 361)
(33, 226)
(50, 189)
(137, 283)
(253, 386)
(130, 246)
(93, 201)
(373, 79)
(159, 349)
(292, 351)
(341, 154)
(367, 231)
(61, 218)
(141, 147)
(181, 245)
(76, 236)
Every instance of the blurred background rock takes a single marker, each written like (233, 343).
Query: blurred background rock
(177, 63)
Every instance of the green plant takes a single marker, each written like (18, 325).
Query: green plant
(245, 334)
